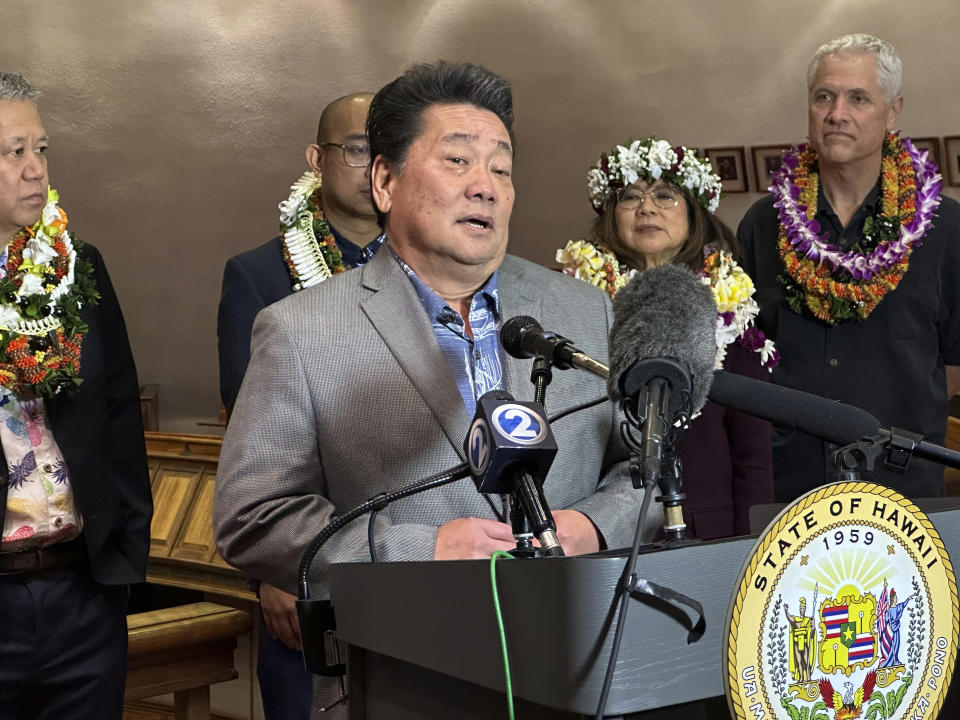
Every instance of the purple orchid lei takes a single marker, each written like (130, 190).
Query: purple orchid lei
(804, 234)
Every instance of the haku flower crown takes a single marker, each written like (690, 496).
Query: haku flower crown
(653, 159)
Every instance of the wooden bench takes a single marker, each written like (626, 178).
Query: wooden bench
(183, 650)
(951, 476)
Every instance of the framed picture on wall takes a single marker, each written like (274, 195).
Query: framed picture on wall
(731, 165)
(951, 146)
(766, 159)
(932, 145)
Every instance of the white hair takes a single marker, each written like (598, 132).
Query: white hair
(889, 67)
(14, 86)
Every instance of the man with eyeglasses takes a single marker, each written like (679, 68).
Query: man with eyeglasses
(328, 225)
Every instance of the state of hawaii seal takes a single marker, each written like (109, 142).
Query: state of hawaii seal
(845, 608)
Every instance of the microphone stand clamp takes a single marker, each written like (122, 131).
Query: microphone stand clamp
(893, 447)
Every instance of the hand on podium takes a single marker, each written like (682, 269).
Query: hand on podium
(576, 532)
(472, 539)
(477, 538)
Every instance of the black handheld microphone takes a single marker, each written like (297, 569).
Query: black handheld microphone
(510, 448)
(523, 337)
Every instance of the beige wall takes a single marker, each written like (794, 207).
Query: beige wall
(177, 127)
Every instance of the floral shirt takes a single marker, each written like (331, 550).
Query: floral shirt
(40, 507)
(474, 362)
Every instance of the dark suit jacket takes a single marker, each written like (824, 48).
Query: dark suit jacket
(251, 281)
(100, 434)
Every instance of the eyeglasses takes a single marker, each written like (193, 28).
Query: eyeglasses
(353, 155)
(664, 197)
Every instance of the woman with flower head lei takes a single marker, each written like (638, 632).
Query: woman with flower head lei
(655, 205)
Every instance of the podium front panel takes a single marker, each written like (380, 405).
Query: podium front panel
(559, 617)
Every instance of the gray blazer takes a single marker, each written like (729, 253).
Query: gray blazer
(347, 394)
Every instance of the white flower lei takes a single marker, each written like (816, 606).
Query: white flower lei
(652, 158)
(38, 254)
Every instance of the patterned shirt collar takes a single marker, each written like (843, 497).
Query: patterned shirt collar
(487, 297)
(474, 361)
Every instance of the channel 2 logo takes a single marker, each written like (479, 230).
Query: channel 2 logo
(522, 425)
(479, 447)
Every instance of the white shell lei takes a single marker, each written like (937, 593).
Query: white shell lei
(299, 239)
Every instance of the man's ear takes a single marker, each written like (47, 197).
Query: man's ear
(893, 114)
(382, 181)
(314, 155)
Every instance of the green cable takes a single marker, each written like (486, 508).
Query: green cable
(503, 636)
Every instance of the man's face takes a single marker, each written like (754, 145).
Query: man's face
(452, 200)
(23, 166)
(848, 112)
(346, 189)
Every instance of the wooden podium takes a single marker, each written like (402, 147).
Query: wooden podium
(423, 643)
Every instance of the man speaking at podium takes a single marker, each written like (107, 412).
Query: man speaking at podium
(369, 381)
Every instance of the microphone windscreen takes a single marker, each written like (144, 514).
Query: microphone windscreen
(665, 312)
(793, 409)
(511, 334)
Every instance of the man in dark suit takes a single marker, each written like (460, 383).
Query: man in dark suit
(75, 498)
(327, 225)
(339, 233)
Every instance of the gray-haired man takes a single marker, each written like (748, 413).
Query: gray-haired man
(857, 268)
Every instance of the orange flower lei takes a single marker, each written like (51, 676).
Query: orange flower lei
(41, 294)
(829, 297)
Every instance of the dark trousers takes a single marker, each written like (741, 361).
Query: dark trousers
(286, 687)
(63, 647)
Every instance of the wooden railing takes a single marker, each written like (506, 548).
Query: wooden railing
(183, 471)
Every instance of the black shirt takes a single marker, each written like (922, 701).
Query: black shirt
(891, 364)
(354, 255)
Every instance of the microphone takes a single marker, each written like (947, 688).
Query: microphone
(523, 337)
(663, 349)
(825, 419)
(662, 352)
(510, 448)
(664, 312)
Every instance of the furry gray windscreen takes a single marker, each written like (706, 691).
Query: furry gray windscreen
(665, 312)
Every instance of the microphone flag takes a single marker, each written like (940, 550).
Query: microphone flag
(507, 435)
